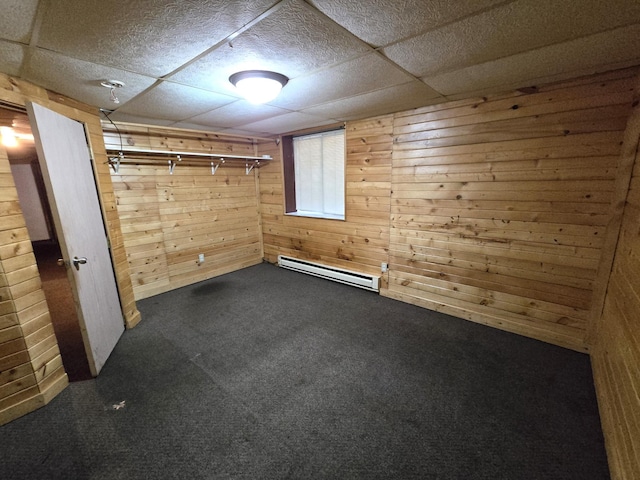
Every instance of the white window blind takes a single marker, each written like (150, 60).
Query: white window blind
(319, 173)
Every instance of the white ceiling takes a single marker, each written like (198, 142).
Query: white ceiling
(346, 59)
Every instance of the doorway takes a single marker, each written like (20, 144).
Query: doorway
(25, 168)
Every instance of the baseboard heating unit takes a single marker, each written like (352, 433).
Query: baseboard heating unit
(361, 280)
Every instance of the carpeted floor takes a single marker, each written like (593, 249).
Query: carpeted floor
(267, 374)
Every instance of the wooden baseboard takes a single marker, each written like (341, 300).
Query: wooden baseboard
(505, 324)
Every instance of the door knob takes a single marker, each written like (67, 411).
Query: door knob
(77, 261)
(62, 262)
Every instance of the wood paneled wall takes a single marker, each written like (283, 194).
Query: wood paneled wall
(492, 209)
(616, 352)
(500, 206)
(169, 219)
(31, 371)
(359, 243)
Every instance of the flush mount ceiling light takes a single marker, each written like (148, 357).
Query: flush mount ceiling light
(258, 86)
(112, 85)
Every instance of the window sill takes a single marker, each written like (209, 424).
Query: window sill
(326, 216)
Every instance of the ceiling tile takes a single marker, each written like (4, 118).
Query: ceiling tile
(583, 56)
(124, 117)
(150, 36)
(381, 22)
(388, 100)
(292, 41)
(244, 133)
(79, 79)
(16, 19)
(236, 113)
(173, 101)
(338, 54)
(367, 73)
(289, 122)
(11, 56)
(512, 28)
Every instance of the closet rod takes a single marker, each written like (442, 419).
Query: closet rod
(173, 160)
(182, 154)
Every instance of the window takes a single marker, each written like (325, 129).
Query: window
(314, 174)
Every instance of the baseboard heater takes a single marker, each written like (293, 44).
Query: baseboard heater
(361, 280)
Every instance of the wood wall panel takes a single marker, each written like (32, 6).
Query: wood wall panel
(616, 336)
(29, 354)
(500, 207)
(167, 220)
(360, 242)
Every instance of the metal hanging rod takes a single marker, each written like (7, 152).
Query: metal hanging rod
(161, 156)
(188, 154)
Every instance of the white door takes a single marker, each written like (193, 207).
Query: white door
(68, 174)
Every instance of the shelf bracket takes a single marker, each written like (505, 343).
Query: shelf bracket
(215, 167)
(114, 162)
(249, 168)
(172, 164)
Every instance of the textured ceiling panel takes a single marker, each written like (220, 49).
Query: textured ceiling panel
(172, 101)
(124, 117)
(388, 100)
(346, 59)
(11, 56)
(286, 123)
(292, 41)
(79, 79)
(578, 57)
(16, 19)
(364, 74)
(147, 36)
(381, 22)
(236, 113)
(508, 30)
(232, 131)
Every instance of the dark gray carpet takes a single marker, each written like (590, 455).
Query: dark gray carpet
(266, 373)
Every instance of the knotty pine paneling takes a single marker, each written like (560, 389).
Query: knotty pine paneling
(493, 209)
(167, 220)
(616, 352)
(29, 354)
(360, 242)
(500, 206)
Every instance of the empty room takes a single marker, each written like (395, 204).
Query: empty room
(320, 239)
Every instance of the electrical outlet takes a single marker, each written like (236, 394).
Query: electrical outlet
(201, 258)
(384, 267)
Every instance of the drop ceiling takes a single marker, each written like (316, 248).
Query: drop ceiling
(346, 59)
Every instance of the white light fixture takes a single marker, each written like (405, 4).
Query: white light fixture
(258, 86)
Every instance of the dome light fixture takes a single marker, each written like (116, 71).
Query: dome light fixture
(258, 86)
